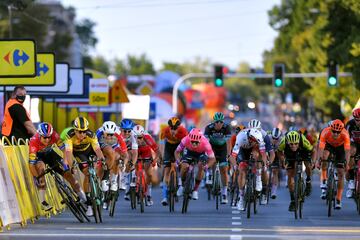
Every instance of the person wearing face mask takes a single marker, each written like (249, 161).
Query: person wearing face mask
(17, 120)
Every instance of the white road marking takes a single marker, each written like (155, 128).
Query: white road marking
(236, 223)
(236, 218)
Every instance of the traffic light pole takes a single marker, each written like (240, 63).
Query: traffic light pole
(242, 75)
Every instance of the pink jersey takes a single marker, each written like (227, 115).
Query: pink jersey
(204, 146)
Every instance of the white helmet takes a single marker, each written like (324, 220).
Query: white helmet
(254, 123)
(256, 135)
(276, 133)
(109, 127)
(138, 130)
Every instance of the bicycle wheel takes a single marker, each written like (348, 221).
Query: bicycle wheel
(217, 188)
(172, 190)
(67, 199)
(254, 196)
(330, 194)
(296, 195)
(94, 194)
(113, 199)
(302, 197)
(133, 197)
(141, 198)
(187, 191)
(268, 187)
(248, 195)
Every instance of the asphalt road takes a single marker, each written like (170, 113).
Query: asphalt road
(203, 221)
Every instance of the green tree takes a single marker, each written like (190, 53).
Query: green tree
(101, 64)
(139, 65)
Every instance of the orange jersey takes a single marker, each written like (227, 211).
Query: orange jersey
(326, 137)
(166, 134)
(233, 140)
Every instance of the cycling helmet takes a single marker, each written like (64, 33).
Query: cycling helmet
(254, 123)
(174, 122)
(195, 134)
(276, 133)
(138, 130)
(255, 135)
(337, 125)
(45, 129)
(218, 116)
(329, 123)
(109, 127)
(127, 124)
(239, 128)
(356, 113)
(81, 124)
(293, 137)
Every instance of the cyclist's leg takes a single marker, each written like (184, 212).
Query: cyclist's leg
(308, 169)
(104, 175)
(184, 166)
(256, 156)
(224, 168)
(200, 174)
(37, 167)
(168, 159)
(242, 160)
(350, 174)
(291, 182)
(323, 176)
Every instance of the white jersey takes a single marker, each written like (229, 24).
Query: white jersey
(242, 141)
(131, 142)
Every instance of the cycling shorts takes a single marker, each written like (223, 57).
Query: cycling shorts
(339, 154)
(82, 157)
(192, 157)
(169, 156)
(221, 155)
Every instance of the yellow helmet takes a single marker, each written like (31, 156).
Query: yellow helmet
(81, 124)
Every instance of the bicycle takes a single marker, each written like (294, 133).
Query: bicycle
(269, 185)
(96, 195)
(299, 192)
(356, 193)
(234, 187)
(188, 187)
(141, 186)
(172, 187)
(216, 190)
(250, 192)
(113, 196)
(69, 197)
(331, 184)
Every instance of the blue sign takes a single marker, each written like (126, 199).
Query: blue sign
(152, 113)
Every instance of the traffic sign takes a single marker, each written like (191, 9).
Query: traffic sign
(118, 93)
(17, 58)
(144, 89)
(45, 73)
(99, 92)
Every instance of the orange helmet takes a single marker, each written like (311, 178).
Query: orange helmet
(356, 113)
(174, 122)
(337, 125)
(239, 128)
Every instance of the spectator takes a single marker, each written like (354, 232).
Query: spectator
(17, 120)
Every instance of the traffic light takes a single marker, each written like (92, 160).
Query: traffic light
(219, 75)
(332, 79)
(278, 79)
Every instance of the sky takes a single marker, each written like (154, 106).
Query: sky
(225, 31)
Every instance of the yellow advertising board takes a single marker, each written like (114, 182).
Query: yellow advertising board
(99, 92)
(45, 73)
(17, 58)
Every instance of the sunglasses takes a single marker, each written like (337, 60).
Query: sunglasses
(139, 137)
(127, 131)
(110, 134)
(335, 132)
(195, 142)
(45, 137)
(357, 119)
(173, 128)
(81, 132)
(293, 144)
(219, 122)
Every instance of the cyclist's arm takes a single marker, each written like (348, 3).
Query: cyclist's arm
(68, 152)
(322, 143)
(179, 149)
(347, 147)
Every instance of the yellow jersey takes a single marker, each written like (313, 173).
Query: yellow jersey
(72, 143)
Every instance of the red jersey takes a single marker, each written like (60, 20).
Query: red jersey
(171, 138)
(36, 146)
(326, 137)
(145, 147)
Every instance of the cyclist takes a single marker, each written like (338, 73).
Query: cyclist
(146, 145)
(218, 133)
(194, 147)
(263, 181)
(249, 142)
(276, 135)
(334, 139)
(82, 143)
(353, 127)
(170, 137)
(126, 126)
(292, 145)
(114, 147)
(42, 152)
(238, 128)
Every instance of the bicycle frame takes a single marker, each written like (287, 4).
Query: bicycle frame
(141, 186)
(172, 186)
(250, 192)
(299, 192)
(331, 184)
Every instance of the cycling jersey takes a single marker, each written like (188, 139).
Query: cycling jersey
(145, 147)
(36, 146)
(64, 132)
(72, 143)
(203, 147)
(116, 141)
(167, 136)
(304, 148)
(327, 138)
(242, 141)
(233, 140)
(130, 142)
(354, 131)
(217, 138)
